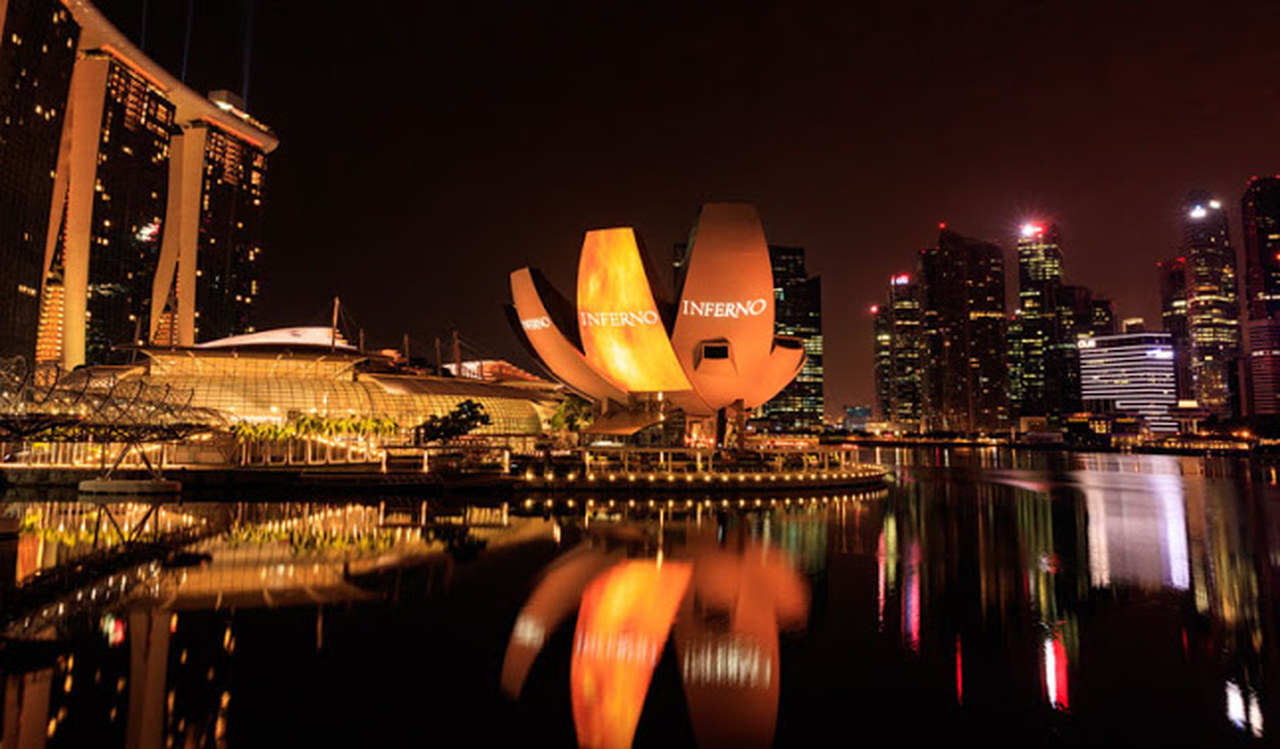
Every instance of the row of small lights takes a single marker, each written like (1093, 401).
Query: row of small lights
(529, 504)
(706, 477)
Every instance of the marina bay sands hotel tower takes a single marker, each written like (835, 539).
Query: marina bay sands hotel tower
(154, 211)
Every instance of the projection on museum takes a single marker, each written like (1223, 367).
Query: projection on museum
(712, 353)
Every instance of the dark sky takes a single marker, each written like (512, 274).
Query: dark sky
(430, 147)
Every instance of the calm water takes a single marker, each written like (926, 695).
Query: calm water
(1042, 597)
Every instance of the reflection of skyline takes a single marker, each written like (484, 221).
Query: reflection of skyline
(1062, 595)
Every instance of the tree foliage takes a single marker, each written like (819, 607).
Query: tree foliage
(465, 417)
(572, 415)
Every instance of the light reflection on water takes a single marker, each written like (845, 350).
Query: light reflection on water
(1046, 596)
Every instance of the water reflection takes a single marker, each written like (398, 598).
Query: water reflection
(1046, 598)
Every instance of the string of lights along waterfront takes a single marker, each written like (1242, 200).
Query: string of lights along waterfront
(958, 360)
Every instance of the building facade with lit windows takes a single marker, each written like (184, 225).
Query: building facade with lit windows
(1260, 211)
(800, 406)
(1032, 339)
(1213, 304)
(899, 347)
(107, 240)
(965, 384)
(155, 211)
(1131, 374)
(37, 53)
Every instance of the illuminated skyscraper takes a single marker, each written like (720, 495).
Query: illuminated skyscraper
(37, 51)
(797, 312)
(1130, 373)
(882, 349)
(899, 346)
(1260, 210)
(1032, 331)
(966, 378)
(1213, 305)
(156, 208)
(112, 211)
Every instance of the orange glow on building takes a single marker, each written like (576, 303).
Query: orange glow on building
(49, 332)
(623, 623)
(552, 346)
(622, 332)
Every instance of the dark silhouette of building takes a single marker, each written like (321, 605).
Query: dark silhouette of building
(37, 53)
(966, 379)
(797, 312)
(1260, 212)
(1173, 317)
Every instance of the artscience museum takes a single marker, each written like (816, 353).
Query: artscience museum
(709, 357)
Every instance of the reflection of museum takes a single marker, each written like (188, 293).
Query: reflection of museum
(713, 357)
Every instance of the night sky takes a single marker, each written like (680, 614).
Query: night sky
(428, 148)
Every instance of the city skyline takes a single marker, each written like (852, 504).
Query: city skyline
(1086, 141)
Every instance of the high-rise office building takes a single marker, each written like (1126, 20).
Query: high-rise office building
(797, 312)
(899, 346)
(1104, 318)
(1032, 337)
(1130, 373)
(37, 52)
(1173, 318)
(966, 379)
(1260, 214)
(156, 209)
(1260, 211)
(1213, 305)
(1073, 319)
(882, 351)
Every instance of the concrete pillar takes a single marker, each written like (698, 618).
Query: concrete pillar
(179, 243)
(74, 190)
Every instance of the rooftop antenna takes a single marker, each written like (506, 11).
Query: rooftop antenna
(333, 327)
(405, 345)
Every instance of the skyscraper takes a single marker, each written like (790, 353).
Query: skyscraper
(1260, 210)
(797, 312)
(1032, 332)
(37, 51)
(110, 208)
(156, 207)
(1213, 306)
(899, 346)
(1260, 214)
(1173, 318)
(966, 382)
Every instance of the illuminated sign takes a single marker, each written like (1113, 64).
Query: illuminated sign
(1086, 343)
(724, 309)
(902, 279)
(624, 348)
(622, 333)
(618, 319)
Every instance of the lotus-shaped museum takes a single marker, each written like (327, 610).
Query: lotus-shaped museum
(713, 353)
